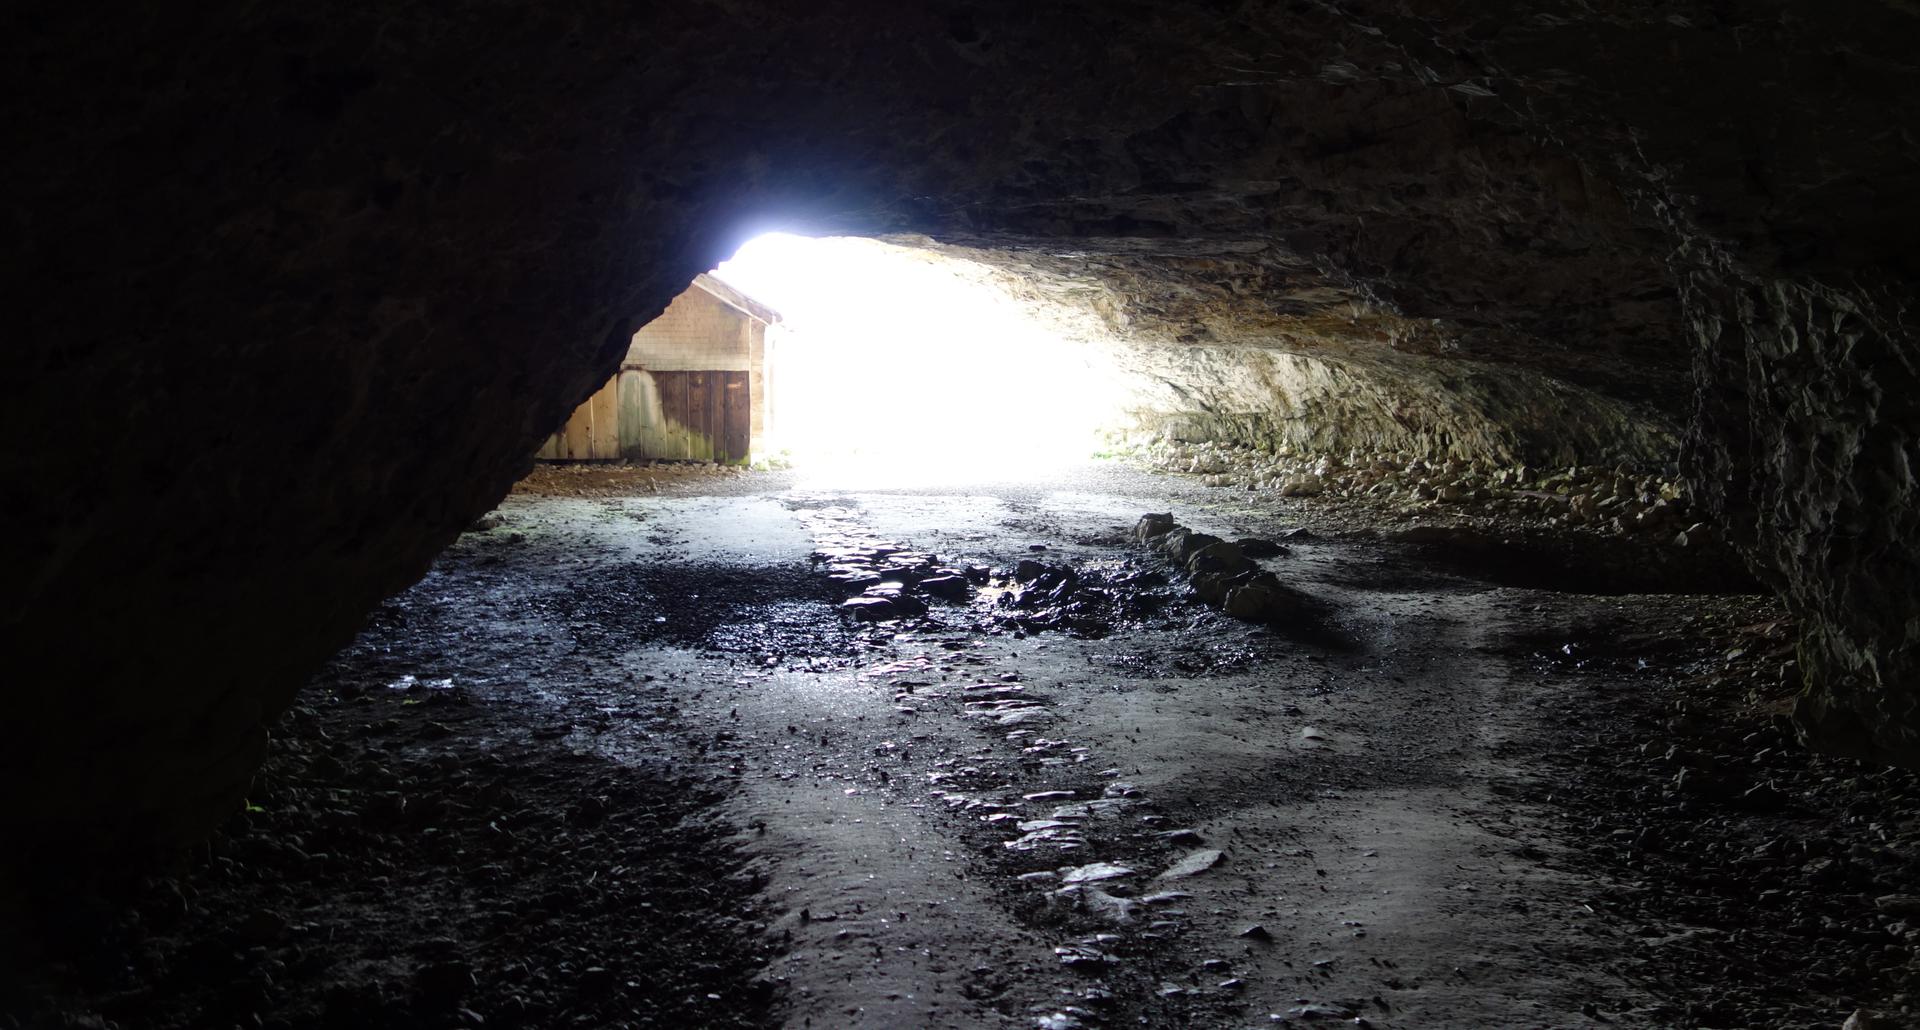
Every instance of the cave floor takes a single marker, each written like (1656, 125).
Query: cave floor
(618, 760)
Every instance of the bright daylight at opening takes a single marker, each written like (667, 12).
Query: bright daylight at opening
(895, 365)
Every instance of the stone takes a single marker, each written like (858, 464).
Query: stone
(1306, 485)
(1090, 899)
(1055, 838)
(1025, 716)
(880, 608)
(1219, 559)
(1316, 1012)
(1081, 955)
(952, 588)
(1223, 576)
(1264, 600)
(1898, 904)
(1095, 872)
(1165, 898)
(1153, 525)
(1254, 547)
(861, 580)
(1182, 545)
(1193, 864)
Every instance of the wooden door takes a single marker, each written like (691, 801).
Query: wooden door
(708, 415)
(736, 421)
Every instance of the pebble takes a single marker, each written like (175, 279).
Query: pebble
(1194, 864)
(1096, 902)
(1898, 904)
(1094, 872)
(1316, 1012)
(1304, 485)
(1075, 955)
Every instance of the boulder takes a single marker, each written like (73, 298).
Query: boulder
(1303, 485)
(1220, 558)
(953, 588)
(1182, 544)
(1254, 547)
(1264, 599)
(1152, 525)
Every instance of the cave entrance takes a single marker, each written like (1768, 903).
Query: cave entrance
(691, 387)
(896, 365)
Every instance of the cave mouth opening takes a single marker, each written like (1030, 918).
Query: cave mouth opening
(902, 366)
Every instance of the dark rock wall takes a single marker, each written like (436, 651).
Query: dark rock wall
(299, 288)
(1809, 440)
(1770, 142)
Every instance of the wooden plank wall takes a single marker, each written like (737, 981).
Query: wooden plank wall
(736, 422)
(639, 410)
(672, 416)
(592, 432)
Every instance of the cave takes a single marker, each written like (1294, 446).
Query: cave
(1481, 591)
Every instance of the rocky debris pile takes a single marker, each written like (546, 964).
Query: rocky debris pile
(1778, 878)
(1221, 573)
(888, 581)
(1005, 704)
(1610, 499)
(1090, 601)
(1048, 839)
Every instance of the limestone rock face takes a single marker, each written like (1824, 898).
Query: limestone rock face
(1810, 448)
(299, 289)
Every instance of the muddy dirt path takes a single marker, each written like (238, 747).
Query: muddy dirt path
(630, 759)
(962, 824)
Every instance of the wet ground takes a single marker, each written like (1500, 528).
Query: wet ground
(628, 757)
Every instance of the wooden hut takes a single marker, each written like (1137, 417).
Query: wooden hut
(692, 386)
